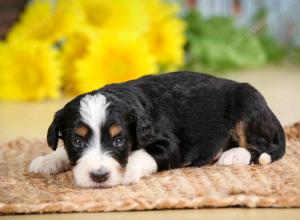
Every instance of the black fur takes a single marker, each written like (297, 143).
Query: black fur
(180, 119)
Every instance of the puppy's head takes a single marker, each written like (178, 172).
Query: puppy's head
(99, 134)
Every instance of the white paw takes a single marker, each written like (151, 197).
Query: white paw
(233, 156)
(140, 164)
(131, 176)
(53, 163)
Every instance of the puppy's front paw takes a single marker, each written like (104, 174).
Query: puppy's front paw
(140, 164)
(53, 163)
(233, 156)
(131, 176)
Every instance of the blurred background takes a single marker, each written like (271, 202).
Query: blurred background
(53, 50)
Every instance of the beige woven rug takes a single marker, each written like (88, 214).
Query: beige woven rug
(274, 185)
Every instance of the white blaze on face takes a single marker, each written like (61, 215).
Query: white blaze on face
(93, 110)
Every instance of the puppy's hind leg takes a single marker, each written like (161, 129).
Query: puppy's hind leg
(257, 128)
(236, 155)
(53, 163)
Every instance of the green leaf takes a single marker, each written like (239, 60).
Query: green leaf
(215, 44)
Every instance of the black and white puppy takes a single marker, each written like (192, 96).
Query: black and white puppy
(123, 132)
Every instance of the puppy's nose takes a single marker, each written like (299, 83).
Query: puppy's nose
(99, 176)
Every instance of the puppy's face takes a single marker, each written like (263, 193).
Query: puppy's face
(98, 135)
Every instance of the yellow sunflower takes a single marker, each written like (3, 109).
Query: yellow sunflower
(47, 20)
(165, 33)
(75, 48)
(29, 71)
(115, 15)
(112, 59)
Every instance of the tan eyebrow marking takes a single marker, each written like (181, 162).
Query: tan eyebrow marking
(114, 130)
(81, 131)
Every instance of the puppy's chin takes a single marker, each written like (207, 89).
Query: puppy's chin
(93, 160)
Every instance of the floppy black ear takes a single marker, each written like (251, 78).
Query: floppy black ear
(54, 129)
(144, 127)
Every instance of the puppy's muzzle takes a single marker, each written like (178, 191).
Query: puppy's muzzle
(100, 175)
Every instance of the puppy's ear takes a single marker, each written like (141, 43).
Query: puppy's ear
(54, 129)
(143, 126)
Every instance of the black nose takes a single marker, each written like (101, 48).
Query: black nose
(99, 176)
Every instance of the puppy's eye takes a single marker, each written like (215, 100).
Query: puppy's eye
(119, 142)
(77, 141)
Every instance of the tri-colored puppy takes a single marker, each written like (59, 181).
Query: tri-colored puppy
(123, 132)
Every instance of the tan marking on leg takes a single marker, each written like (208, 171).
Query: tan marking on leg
(239, 134)
(115, 130)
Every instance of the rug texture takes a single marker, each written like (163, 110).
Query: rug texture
(273, 185)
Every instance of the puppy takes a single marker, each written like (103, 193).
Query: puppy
(123, 132)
